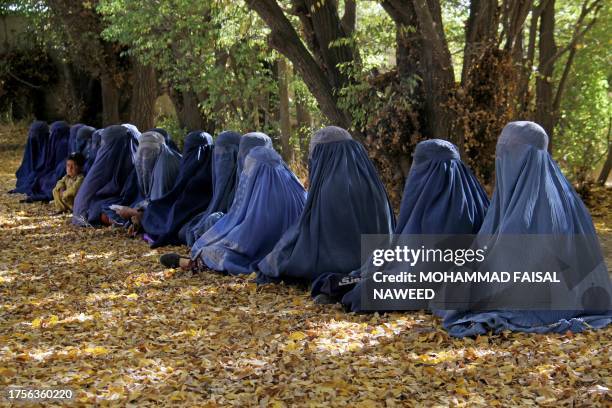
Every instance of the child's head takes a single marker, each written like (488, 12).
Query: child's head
(74, 164)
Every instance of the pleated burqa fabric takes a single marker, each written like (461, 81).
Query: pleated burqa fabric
(33, 157)
(225, 160)
(441, 196)
(268, 200)
(191, 193)
(533, 197)
(84, 141)
(56, 151)
(157, 166)
(346, 199)
(107, 177)
(247, 142)
(96, 140)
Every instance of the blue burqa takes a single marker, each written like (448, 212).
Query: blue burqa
(106, 178)
(135, 133)
(56, 151)
(225, 158)
(33, 156)
(155, 171)
(84, 141)
(531, 197)
(441, 196)
(72, 140)
(247, 142)
(157, 166)
(190, 195)
(268, 200)
(96, 139)
(346, 199)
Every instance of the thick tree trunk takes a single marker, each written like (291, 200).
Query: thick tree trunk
(144, 94)
(285, 40)
(187, 110)
(284, 118)
(480, 33)
(430, 58)
(545, 114)
(110, 100)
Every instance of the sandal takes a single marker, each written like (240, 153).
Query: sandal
(172, 260)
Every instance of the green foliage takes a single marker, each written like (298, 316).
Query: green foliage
(214, 48)
(173, 127)
(586, 108)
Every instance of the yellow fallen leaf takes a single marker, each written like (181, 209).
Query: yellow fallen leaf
(298, 335)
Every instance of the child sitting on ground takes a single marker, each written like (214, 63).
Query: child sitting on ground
(66, 189)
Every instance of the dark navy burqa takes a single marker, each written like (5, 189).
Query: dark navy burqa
(56, 151)
(441, 196)
(532, 197)
(72, 140)
(268, 200)
(346, 199)
(225, 156)
(107, 177)
(190, 195)
(84, 141)
(96, 139)
(33, 157)
(247, 142)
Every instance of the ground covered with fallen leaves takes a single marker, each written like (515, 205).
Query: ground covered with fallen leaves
(92, 310)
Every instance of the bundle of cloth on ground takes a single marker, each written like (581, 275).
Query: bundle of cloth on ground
(239, 207)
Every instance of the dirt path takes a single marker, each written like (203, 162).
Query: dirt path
(93, 311)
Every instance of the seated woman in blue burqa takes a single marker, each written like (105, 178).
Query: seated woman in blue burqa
(532, 197)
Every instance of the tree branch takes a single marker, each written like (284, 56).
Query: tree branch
(285, 40)
(570, 59)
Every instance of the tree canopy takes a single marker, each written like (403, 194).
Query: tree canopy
(394, 71)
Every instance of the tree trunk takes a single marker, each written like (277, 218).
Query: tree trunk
(110, 100)
(544, 114)
(284, 118)
(187, 110)
(285, 40)
(480, 32)
(144, 94)
(431, 59)
(607, 167)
